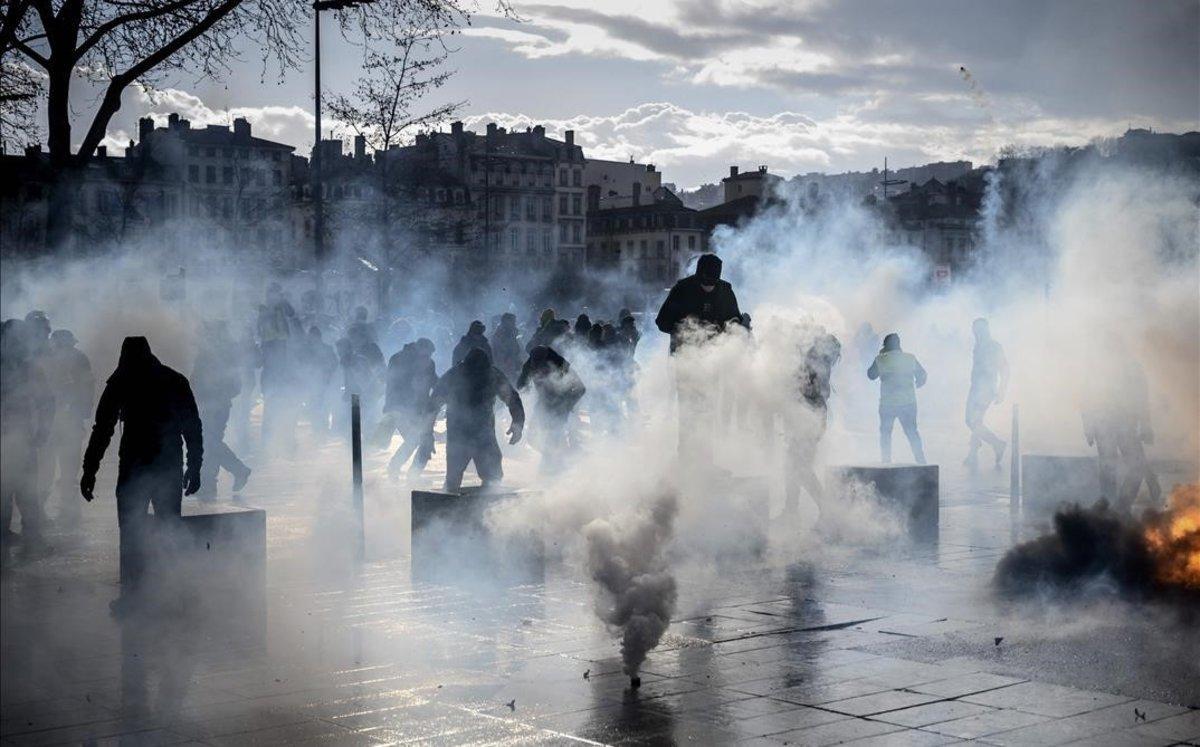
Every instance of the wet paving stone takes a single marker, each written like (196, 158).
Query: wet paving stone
(868, 646)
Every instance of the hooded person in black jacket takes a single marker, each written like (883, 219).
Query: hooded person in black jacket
(558, 389)
(704, 298)
(26, 414)
(698, 307)
(159, 417)
(474, 339)
(411, 376)
(469, 390)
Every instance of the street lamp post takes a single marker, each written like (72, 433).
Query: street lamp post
(317, 184)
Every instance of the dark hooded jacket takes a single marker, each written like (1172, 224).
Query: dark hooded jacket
(558, 387)
(410, 377)
(468, 390)
(158, 414)
(474, 339)
(687, 300)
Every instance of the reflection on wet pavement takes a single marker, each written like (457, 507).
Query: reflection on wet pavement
(863, 646)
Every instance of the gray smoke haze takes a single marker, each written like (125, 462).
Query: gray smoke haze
(636, 588)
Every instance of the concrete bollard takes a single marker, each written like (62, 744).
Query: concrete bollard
(911, 488)
(451, 540)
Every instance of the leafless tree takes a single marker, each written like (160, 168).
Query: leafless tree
(117, 43)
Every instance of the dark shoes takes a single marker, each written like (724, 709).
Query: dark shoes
(239, 481)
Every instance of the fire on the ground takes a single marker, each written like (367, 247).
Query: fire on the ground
(1173, 538)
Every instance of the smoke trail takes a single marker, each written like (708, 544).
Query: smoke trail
(637, 588)
(977, 93)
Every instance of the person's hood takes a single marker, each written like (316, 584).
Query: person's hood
(708, 269)
(476, 329)
(136, 359)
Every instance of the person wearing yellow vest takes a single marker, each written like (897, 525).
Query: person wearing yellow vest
(899, 375)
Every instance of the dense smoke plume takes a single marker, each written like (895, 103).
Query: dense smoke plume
(637, 589)
(1098, 547)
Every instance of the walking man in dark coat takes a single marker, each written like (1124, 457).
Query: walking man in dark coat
(159, 417)
(469, 390)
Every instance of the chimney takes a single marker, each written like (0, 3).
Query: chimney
(422, 138)
(360, 147)
(241, 128)
(101, 151)
(650, 168)
(145, 127)
(456, 128)
(539, 131)
(733, 170)
(491, 129)
(172, 121)
(570, 136)
(637, 194)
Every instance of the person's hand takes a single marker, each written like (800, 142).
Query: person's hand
(191, 484)
(515, 430)
(87, 487)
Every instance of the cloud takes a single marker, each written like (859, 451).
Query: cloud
(1072, 57)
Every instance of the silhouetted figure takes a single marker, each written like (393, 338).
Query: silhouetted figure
(704, 299)
(545, 332)
(26, 414)
(697, 308)
(469, 390)
(1117, 421)
(558, 389)
(989, 382)
(629, 335)
(811, 419)
(37, 344)
(69, 373)
(216, 381)
(318, 364)
(158, 417)
(411, 376)
(506, 346)
(363, 372)
(278, 324)
(474, 339)
(583, 325)
(899, 374)
(361, 327)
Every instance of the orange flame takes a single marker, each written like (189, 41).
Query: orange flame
(1173, 539)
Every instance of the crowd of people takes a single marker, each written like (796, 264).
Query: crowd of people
(579, 375)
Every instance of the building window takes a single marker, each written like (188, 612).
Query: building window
(227, 175)
(662, 249)
(547, 239)
(514, 240)
(562, 204)
(193, 151)
(577, 204)
(458, 197)
(531, 209)
(547, 210)
(562, 177)
(514, 208)
(193, 172)
(210, 152)
(675, 242)
(441, 196)
(562, 232)
(691, 242)
(576, 233)
(577, 178)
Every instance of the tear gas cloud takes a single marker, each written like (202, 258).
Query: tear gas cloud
(1077, 276)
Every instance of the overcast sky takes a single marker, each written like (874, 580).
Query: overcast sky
(799, 85)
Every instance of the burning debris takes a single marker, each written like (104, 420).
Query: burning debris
(1158, 553)
(637, 589)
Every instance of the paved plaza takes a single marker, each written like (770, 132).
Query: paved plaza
(906, 645)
